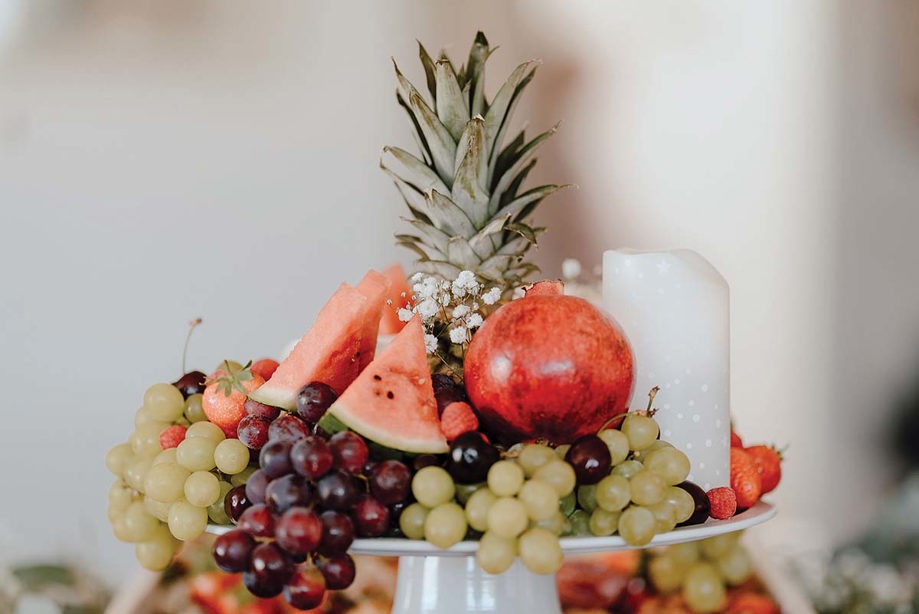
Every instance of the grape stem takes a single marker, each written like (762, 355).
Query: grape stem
(191, 328)
(612, 422)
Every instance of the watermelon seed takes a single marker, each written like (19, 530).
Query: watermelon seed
(390, 395)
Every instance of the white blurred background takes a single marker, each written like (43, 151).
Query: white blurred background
(161, 160)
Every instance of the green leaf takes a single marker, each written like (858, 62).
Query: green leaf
(475, 74)
(471, 173)
(428, 63)
(411, 170)
(511, 192)
(452, 109)
(487, 240)
(523, 230)
(531, 196)
(447, 216)
(459, 252)
(523, 158)
(440, 144)
(416, 133)
(499, 113)
(412, 245)
(507, 156)
(433, 236)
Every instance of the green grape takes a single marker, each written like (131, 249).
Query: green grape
(735, 566)
(613, 493)
(194, 410)
(120, 496)
(145, 441)
(636, 525)
(628, 468)
(187, 521)
(507, 517)
(657, 445)
(477, 508)
(642, 431)
(664, 516)
(703, 589)
(164, 402)
(216, 511)
(496, 554)
(232, 365)
(202, 489)
(579, 522)
(205, 430)
(505, 478)
(243, 476)
(118, 458)
(156, 553)
(568, 503)
(136, 472)
(669, 463)
(562, 450)
(165, 457)
(684, 554)
(196, 453)
(540, 551)
(157, 509)
(464, 491)
(617, 443)
(411, 520)
(166, 482)
(587, 497)
(533, 456)
(682, 502)
(539, 499)
(433, 486)
(603, 523)
(665, 573)
(556, 523)
(559, 475)
(718, 546)
(139, 525)
(445, 525)
(647, 488)
(119, 529)
(142, 417)
(231, 456)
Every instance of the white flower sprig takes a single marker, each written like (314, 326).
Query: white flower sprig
(448, 308)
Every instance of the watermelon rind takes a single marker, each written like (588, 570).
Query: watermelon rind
(340, 418)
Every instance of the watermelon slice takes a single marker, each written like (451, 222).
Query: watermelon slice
(329, 352)
(375, 288)
(392, 400)
(390, 324)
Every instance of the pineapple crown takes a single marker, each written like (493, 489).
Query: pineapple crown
(463, 193)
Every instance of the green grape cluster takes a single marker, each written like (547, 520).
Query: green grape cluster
(701, 571)
(164, 497)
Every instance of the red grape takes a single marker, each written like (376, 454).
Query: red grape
(590, 457)
(390, 482)
(349, 451)
(311, 457)
(299, 531)
(338, 571)
(424, 460)
(253, 431)
(274, 459)
(270, 568)
(471, 457)
(258, 521)
(371, 518)
(313, 400)
(232, 551)
(337, 490)
(441, 381)
(236, 502)
(703, 506)
(191, 383)
(289, 428)
(337, 533)
(255, 487)
(287, 491)
(305, 591)
(254, 408)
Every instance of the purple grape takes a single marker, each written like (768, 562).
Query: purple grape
(287, 491)
(442, 381)
(447, 396)
(390, 482)
(232, 551)
(349, 451)
(254, 408)
(703, 507)
(258, 521)
(253, 431)
(314, 400)
(337, 533)
(255, 487)
(337, 490)
(191, 383)
(305, 591)
(236, 502)
(337, 571)
(425, 460)
(299, 531)
(590, 457)
(311, 457)
(288, 427)
(274, 459)
(370, 517)
(470, 458)
(271, 569)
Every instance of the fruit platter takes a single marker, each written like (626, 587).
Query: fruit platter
(474, 423)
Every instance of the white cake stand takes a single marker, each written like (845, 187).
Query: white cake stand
(435, 581)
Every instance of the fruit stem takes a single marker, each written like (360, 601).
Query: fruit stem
(191, 328)
(651, 394)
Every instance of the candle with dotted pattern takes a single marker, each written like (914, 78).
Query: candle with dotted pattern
(675, 309)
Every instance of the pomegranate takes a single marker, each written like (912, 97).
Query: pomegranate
(552, 367)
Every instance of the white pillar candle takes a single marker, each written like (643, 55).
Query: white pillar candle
(675, 309)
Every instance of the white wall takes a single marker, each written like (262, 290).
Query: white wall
(164, 160)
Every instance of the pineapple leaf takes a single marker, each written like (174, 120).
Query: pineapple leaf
(523, 230)
(452, 109)
(435, 237)
(460, 253)
(531, 196)
(475, 74)
(447, 216)
(446, 270)
(507, 156)
(501, 107)
(440, 143)
(511, 192)
(401, 241)
(468, 183)
(411, 170)
(503, 125)
(485, 242)
(412, 197)
(421, 244)
(419, 137)
(523, 158)
(428, 63)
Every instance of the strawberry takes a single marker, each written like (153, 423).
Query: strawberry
(264, 368)
(457, 419)
(172, 436)
(745, 478)
(752, 603)
(225, 397)
(736, 441)
(722, 503)
(768, 462)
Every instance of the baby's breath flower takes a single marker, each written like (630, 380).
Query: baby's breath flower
(492, 296)
(428, 307)
(458, 335)
(460, 311)
(474, 321)
(404, 314)
(430, 343)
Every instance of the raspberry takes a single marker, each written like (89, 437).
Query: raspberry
(172, 436)
(723, 503)
(457, 419)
